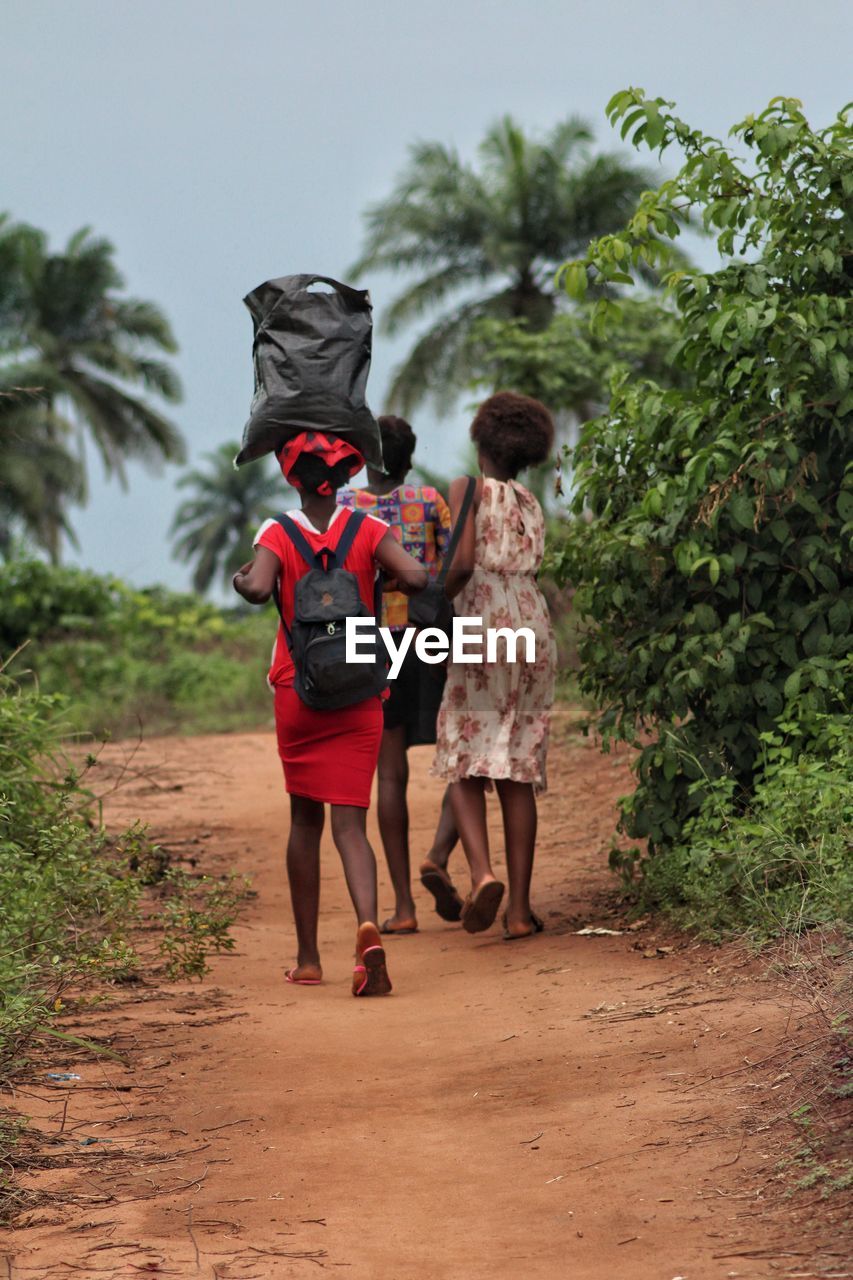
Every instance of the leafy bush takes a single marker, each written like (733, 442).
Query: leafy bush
(72, 894)
(38, 600)
(64, 885)
(197, 914)
(71, 891)
(570, 366)
(127, 658)
(777, 861)
(715, 575)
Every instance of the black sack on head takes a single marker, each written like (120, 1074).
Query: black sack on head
(311, 354)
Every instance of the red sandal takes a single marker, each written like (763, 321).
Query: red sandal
(370, 975)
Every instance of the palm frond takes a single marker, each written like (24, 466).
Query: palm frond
(143, 321)
(123, 426)
(213, 527)
(412, 303)
(506, 222)
(440, 361)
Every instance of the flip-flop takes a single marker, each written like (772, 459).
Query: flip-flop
(408, 926)
(537, 925)
(370, 976)
(448, 903)
(480, 908)
(301, 982)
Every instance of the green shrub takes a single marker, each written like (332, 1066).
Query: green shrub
(38, 600)
(777, 861)
(71, 892)
(714, 578)
(197, 914)
(65, 887)
(127, 659)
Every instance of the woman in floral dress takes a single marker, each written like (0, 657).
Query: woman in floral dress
(493, 722)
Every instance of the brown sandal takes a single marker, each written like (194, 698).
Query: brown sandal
(407, 926)
(448, 902)
(536, 926)
(481, 907)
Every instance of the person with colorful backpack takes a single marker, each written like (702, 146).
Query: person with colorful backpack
(419, 518)
(320, 564)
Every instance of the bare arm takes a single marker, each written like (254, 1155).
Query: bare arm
(255, 580)
(409, 574)
(463, 561)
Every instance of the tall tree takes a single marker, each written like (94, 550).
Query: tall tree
(485, 241)
(39, 476)
(92, 357)
(214, 527)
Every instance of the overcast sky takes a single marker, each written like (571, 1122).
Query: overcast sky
(218, 144)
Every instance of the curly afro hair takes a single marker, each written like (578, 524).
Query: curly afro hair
(398, 444)
(514, 431)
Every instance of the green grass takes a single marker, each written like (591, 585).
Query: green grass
(131, 661)
(73, 895)
(772, 864)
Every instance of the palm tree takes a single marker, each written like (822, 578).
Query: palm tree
(214, 527)
(488, 240)
(39, 475)
(88, 351)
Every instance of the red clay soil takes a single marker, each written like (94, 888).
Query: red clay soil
(579, 1106)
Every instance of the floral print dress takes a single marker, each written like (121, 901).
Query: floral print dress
(493, 721)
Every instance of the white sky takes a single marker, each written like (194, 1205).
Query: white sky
(218, 144)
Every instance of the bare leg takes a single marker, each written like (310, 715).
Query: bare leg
(468, 798)
(303, 873)
(518, 805)
(393, 812)
(446, 836)
(350, 835)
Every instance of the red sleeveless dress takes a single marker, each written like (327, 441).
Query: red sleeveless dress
(328, 756)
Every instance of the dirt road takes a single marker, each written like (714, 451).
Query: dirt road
(568, 1106)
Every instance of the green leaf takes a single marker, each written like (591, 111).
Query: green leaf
(838, 618)
(726, 662)
(826, 576)
(705, 617)
(792, 684)
(813, 637)
(840, 370)
(630, 120)
(718, 327)
(575, 280)
(82, 1043)
(741, 509)
(655, 131)
(747, 323)
(618, 103)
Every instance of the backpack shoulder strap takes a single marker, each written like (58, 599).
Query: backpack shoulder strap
(354, 522)
(302, 545)
(297, 537)
(457, 530)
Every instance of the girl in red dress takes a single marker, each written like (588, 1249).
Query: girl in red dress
(329, 757)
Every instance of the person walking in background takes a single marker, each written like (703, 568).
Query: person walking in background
(493, 722)
(419, 518)
(329, 757)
